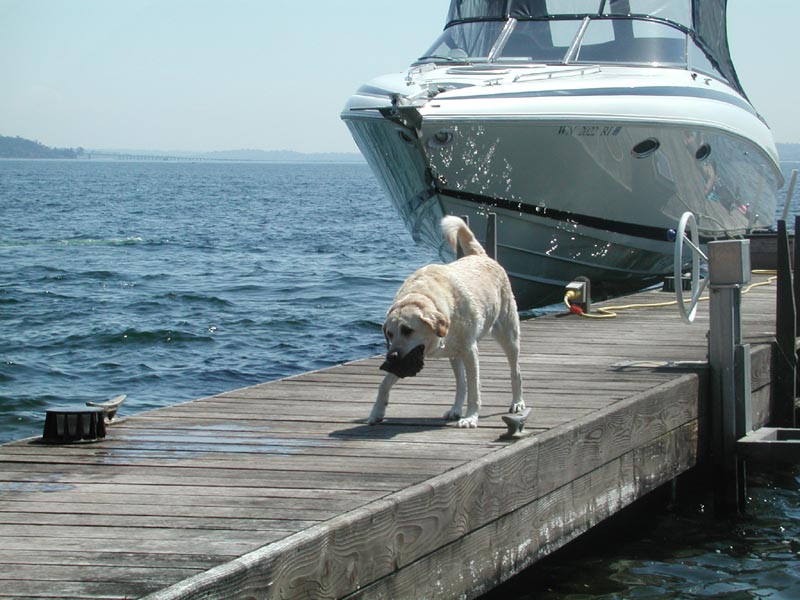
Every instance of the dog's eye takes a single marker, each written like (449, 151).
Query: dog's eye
(406, 331)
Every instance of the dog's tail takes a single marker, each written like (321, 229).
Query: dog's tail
(455, 230)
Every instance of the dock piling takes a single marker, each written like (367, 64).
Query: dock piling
(490, 243)
(789, 193)
(491, 235)
(781, 442)
(729, 364)
(785, 334)
(796, 271)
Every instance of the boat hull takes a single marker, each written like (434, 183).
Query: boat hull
(583, 185)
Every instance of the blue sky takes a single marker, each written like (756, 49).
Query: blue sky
(222, 75)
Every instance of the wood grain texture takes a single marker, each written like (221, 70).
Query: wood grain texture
(484, 558)
(280, 490)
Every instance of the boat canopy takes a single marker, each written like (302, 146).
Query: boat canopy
(704, 20)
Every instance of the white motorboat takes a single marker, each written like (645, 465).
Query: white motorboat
(587, 126)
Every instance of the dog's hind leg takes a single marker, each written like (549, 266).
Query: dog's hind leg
(454, 414)
(472, 370)
(508, 339)
(382, 401)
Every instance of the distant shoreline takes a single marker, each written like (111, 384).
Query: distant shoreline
(172, 160)
(223, 156)
(21, 148)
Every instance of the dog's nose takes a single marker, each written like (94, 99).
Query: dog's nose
(392, 356)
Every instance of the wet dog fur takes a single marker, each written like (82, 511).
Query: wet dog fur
(443, 311)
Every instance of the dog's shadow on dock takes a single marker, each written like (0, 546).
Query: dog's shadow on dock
(391, 428)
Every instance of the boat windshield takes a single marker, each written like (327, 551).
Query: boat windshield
(635, 32)
(596, 40)
(465, 42)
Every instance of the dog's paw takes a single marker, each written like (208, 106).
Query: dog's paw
(516, 407)
(376, 416)
(452, 415)
(468, 422)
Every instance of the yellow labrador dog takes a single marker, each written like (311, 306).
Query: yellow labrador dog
(443, 310)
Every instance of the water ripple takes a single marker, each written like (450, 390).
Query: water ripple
(135, 278)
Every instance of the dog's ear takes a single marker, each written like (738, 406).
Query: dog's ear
(438, 322)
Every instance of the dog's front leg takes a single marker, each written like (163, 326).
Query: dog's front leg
(472, 369)
(382, 401)
(454, 414)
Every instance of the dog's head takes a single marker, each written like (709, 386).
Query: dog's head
(413, 328)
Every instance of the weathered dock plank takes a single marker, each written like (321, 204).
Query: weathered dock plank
(477, 562)
(281, 489)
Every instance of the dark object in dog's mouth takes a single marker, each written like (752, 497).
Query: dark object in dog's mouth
(408, 366)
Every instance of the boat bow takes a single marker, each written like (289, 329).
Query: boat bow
(590, 132)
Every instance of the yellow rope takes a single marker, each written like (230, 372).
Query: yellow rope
(608, 312)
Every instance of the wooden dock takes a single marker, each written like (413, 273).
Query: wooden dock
(282, 491)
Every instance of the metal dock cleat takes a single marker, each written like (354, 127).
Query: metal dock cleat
(515, 423)
(110, 407)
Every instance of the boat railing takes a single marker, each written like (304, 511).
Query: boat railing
(576, 43)
(554, 74)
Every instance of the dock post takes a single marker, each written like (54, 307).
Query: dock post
(491, 235)
(729, 363)
(785, 389)
(459, 251)
(796, 271)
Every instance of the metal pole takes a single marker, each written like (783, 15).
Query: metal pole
(796, 271)
(789, 193)
(729, 365)
(785, 334)
(491, 235)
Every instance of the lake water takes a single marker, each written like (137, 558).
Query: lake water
(174, 281)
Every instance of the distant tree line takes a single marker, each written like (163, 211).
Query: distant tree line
(17, 147)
